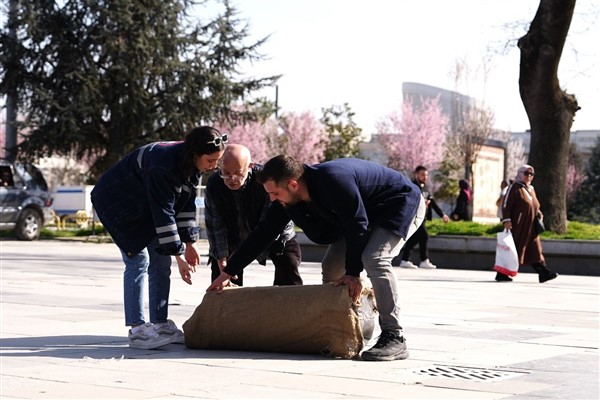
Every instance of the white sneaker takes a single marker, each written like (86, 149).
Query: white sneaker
(426, 264)
(169, 330)
(407, 264)
(145, 337)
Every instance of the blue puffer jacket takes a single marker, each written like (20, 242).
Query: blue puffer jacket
(144, 196)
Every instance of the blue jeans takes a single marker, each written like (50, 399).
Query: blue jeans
(383, 245)
(147, 264)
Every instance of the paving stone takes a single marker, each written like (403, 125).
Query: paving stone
(62, 335)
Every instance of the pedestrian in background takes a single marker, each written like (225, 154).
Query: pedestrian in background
(503, 188)
(463, 210)
(235, 203)
(147, 204)
(519, 211)
(421, 236)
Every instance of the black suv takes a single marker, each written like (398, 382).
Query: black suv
(24, 199)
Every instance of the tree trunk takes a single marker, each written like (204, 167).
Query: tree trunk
(549, 108)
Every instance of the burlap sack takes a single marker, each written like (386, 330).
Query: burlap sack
(311, 319)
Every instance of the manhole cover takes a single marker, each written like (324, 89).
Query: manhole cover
(468, 373)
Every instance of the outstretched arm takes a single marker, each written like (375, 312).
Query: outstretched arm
(220, 283)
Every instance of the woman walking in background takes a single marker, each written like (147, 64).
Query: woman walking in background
(463, 211)
(519, 211)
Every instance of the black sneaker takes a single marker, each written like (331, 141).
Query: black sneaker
(502, 278)
(390, 346)
(547, 276)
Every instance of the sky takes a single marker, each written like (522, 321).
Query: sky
(332, 52)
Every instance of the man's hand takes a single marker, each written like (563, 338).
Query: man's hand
(191, 255)
(507, 224)
(354, 286)
(222, 262)
(445, 218)
(220, 283)
(185, 270)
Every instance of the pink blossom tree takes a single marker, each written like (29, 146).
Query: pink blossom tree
(575, 173)
(303, 137)
(415, 136)
(575, 178)
(259, 137)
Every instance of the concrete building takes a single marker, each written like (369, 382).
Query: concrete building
(450, 101)
(585, 140)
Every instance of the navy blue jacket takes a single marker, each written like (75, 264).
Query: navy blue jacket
(145, 196)
(348, 198)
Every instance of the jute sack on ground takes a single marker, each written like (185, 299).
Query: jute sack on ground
(311, 319)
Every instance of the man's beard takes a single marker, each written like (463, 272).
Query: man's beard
(294, 199)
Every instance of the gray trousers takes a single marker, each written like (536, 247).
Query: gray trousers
(383, 245)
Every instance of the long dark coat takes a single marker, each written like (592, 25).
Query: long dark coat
(520, 207)
(463, 211)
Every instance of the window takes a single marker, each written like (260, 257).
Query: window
(6, 176)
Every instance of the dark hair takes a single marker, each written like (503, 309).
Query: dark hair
(420, 168)
(198, 142)
(281, 168)
(464, 184)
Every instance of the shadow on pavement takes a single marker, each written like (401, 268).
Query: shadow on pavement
(111, 347)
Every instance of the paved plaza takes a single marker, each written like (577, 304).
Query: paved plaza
(63, 336)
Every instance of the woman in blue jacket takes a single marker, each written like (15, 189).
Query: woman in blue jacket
(147, 204)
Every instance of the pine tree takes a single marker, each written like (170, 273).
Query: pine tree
(102, 77)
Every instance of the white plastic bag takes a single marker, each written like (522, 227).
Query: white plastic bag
(507, 259)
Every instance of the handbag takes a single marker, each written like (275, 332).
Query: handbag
(538, 225)
(507, 259)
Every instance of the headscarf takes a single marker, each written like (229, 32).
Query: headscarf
(465, 187)
(521, 170)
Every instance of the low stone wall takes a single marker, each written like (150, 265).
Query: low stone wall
(569, 257)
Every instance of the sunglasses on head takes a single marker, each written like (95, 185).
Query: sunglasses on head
(217, 140)
(528, 174)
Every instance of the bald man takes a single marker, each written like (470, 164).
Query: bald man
(235, 202)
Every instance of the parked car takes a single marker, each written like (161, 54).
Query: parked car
(24, 199)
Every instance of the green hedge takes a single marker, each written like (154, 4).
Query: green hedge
(575, 230)
(72, 232)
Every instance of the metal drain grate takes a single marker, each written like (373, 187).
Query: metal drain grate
(467, 373)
